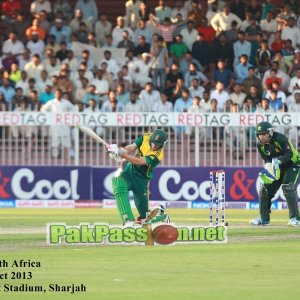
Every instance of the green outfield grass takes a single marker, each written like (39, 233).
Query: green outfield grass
(256, 263)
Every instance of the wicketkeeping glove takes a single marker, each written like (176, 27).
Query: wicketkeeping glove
(276, 167)
(266, 177)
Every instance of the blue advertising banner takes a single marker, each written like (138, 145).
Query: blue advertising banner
(189, 184)
(7, 203)
(45, 183)
(86, 183)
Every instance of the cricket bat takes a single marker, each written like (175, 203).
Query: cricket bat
(92, 134)
(150, 241)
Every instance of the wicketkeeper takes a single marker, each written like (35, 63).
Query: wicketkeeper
(282, 162)
(149, 152)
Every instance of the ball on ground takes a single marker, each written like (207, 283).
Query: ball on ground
(165, 234)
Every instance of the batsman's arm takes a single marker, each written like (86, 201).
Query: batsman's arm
(131, 148)
(125, 153)
(134, 160)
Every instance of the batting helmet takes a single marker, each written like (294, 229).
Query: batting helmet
(158, 137)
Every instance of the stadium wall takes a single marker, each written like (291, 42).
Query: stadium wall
(68, 187)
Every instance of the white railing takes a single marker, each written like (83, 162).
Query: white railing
(25, 138)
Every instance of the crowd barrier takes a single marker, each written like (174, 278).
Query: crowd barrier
(206, 139)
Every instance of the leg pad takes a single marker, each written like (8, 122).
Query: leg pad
(290, 194)
(120, 189)
(264, 203)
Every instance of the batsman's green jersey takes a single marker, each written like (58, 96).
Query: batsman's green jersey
(153, 158)
(137, 178)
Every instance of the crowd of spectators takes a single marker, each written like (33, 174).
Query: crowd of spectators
(181, 56)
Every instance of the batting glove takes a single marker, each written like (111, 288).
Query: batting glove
(113, 149)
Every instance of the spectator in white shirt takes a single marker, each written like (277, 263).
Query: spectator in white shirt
(238, 96)
(189, 34)
(23, 83)
(117, 33)
(102, 85)
(196, 89)
(220, 95)
(24, 131)
(24, 59)
(93, 108)
(103, 27)
(81, 90)
(112, 65)
(34, 67)
(241, 47)
(36, 45)
(268, 25)
(131, 11)
(53, 67)
(44, 80)
(148, 97)
(179, 9)
(60, 134)
(264, 106)
(295, 82)
(84, 71)
(37, 6)
(293, 102)
(291, 32)
(126, 75)
(134, 104)
(163, 105)
(212, 11)
(85, 57)
(12, 46)
(222, 20)
(205, 101)
(195, 108)
(139, 70)
(77, 20)
(163, 11)
(71, 61)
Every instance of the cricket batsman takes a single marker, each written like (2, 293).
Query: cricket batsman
(148, 152)
(282, 162)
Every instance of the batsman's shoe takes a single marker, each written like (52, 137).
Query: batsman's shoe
(164, 218)
(259, 221)
(139, 221)
(294, 222)
(167, 219)
(128, 223)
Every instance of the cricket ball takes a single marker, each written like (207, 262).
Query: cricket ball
(165, 234)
